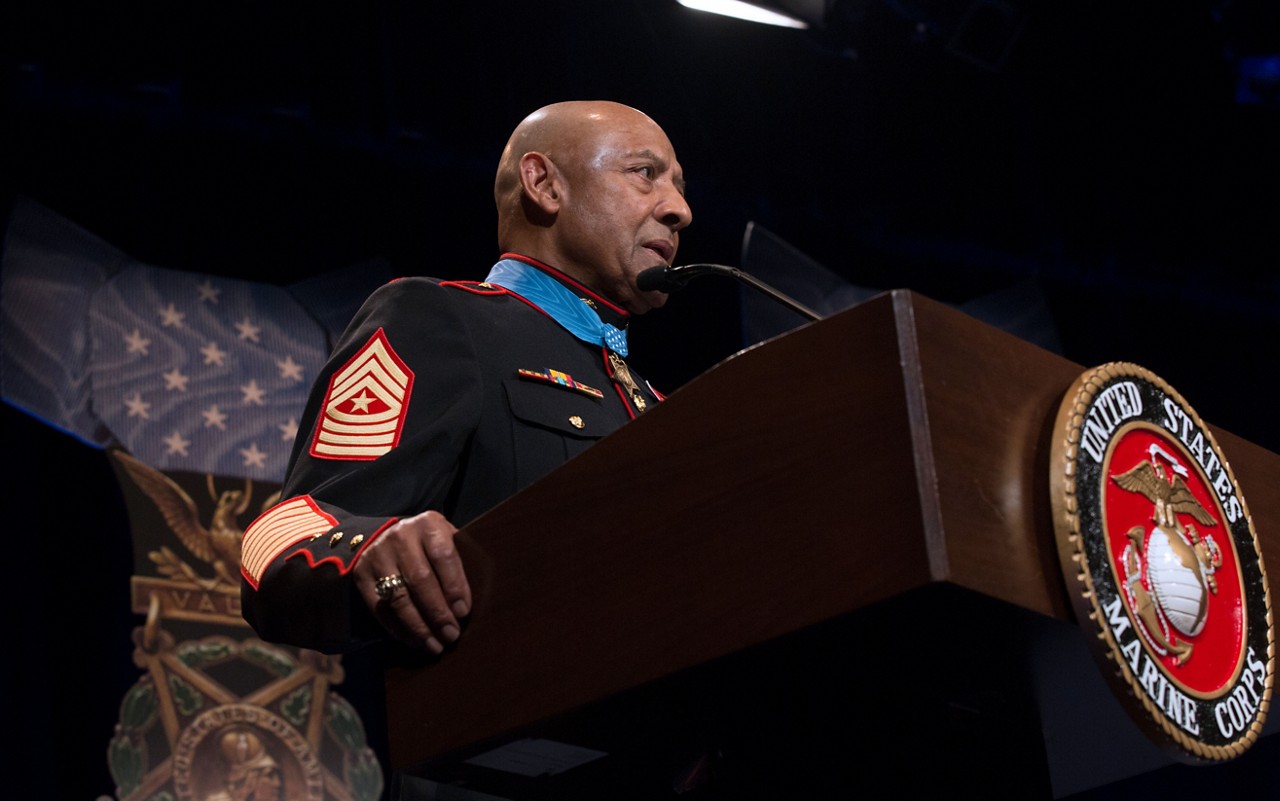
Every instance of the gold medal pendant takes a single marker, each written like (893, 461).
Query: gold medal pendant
(624, 379)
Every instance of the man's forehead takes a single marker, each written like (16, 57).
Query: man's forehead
(651, 155)
(648, 143)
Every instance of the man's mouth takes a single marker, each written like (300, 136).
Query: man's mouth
(663, 250)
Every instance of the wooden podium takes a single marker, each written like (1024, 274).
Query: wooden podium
(829, 558)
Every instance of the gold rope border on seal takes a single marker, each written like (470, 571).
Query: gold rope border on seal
(1067, 427)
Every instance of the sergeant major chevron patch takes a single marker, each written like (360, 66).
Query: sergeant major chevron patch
(365, 406)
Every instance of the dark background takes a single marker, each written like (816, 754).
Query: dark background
(1121, 155)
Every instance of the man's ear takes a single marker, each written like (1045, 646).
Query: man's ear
(542, 181)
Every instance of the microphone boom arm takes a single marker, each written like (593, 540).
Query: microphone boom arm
(791, 303)
(668, 279)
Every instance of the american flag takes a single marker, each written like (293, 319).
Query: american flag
(203, 374)
(189, 372)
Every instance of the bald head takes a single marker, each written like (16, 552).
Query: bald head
(563, 132)
(579, 177)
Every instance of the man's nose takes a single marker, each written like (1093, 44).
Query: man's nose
(673, 211)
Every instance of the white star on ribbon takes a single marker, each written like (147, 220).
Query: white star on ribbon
(252, 393)
(137, 343)
(175, 443)
(213, 417)
(289, 369)
(175, 380)
(137, 406)
(213, 354)
(208, 293)
(253, 457)
(248, 331)
(170, 317)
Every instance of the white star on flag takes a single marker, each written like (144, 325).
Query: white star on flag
(290, 369)
(137, 343)
(252, 456)
(170, 317)
(116, 352)
(214, 417)
(213, 354)
(289, 430)
(177, 444)
(248, 330)
(207, 392)
(137, 406)
(252, 393)
(206, 292)
(174, 379)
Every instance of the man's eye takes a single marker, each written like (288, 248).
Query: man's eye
(647, 171)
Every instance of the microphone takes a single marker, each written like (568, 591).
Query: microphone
(668, 279)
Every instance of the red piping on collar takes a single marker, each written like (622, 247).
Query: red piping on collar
(548, 268)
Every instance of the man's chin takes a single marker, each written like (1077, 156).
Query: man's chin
(642, 302)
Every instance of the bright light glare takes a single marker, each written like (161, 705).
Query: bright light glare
(742, 10)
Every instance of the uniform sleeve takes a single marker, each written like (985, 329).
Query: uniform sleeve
(381, 439)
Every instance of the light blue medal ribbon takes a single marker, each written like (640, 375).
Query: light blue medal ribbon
(559, 301)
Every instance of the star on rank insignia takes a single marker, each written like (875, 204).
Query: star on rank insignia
(365, 406)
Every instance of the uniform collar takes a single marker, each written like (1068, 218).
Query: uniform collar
(577, 309)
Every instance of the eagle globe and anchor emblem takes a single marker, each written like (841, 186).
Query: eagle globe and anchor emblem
(1168, 568)
(1162, 563)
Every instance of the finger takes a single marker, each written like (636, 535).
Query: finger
(429, 598)
(434, 569)
(398, 613)
(443, 555)
(431, 608)
(394, 608)
(420, 549)
(401, 617)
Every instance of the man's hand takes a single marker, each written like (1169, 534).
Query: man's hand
(426, 611)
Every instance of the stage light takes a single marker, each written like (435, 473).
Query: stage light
(751, 12)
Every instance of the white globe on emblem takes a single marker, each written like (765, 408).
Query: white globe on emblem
(1179, 588)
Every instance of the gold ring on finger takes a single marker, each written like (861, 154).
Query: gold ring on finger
(387, 586)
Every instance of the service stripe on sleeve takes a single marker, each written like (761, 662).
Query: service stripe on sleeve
(277, 529)
(364, 409)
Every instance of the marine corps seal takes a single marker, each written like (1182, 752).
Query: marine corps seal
(1162, 562)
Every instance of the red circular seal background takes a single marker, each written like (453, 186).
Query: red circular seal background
(1218, 649)
(1212, 707)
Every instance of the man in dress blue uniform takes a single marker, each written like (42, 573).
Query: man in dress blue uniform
(444, 397)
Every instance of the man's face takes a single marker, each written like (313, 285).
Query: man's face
(264, 785)
(623, 209)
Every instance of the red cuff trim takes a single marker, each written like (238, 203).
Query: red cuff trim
(369, 539)
(344, 566)
(278, 529)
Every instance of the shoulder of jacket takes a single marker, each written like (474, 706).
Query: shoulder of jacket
(476, 287)
(418, 286)
(418, 283)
